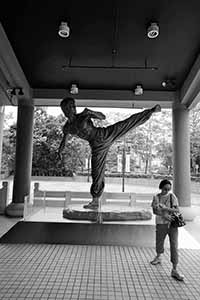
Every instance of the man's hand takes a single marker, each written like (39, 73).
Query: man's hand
(95, 114)
(156, 108)
(101, 116)
(168, 217)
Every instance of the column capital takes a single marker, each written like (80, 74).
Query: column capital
(179, 106)
(23, 101)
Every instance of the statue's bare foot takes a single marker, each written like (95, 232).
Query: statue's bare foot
(91, 205)
(157, 108)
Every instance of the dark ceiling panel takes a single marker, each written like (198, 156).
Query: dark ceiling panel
(107, 37)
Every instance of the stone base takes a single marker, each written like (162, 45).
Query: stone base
(107, 214)
(15, 210)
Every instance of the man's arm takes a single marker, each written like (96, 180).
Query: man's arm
(94, 114)
(160, 210)
(155, 206)
(169, 209)
(62, 144)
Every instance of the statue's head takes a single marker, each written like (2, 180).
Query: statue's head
(68, 106)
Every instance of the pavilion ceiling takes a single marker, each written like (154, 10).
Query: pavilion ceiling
(107, 50)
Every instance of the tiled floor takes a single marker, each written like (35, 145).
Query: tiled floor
(94, 272)
(42, 271)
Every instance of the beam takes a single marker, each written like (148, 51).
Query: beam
(105, 98)
(190, 90)
(10, 68)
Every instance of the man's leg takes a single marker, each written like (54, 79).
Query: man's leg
(173, 238)
(98, 169)
(117, 130)
(161, 232)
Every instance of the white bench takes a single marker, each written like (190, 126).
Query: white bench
(66, 198)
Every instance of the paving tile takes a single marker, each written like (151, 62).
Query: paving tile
(94, 272)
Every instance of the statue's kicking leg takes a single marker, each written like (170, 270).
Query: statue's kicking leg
(100, 145)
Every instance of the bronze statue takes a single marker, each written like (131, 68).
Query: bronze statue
(100, 139)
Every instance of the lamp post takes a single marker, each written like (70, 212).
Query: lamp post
(123, 160)
(88, 166)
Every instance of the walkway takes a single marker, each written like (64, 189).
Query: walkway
(94, 272)
(50, 272)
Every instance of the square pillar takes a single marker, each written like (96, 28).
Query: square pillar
(23, 159)
(181, 159)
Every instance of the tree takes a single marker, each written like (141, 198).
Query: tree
(194, 136)
(8, 153)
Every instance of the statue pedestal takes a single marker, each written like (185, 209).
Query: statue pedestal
(108, 213)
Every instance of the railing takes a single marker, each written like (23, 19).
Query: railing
(42, 199)
(63, 199)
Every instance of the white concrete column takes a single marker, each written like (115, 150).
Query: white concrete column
(23, 159)
(2, 110)
(181, 159)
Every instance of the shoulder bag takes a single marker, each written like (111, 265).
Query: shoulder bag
(177, 217)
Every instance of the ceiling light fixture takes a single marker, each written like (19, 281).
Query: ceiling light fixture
(16, 91)
(64, 30)
(74, 89)
(153, 30)
(169, 83)
(139, 90)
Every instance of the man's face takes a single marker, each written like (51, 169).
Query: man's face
(166, 189)
(72, 107)
(69, 109)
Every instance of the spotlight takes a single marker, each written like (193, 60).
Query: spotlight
(16, 91)
(74, 89)
(168, 83)
(64, 30)
(153, 30)
(138, 90)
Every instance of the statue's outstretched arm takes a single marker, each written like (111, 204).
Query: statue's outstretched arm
(94, 114)
(62, 144)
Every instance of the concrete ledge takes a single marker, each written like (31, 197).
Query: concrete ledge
(81, 234)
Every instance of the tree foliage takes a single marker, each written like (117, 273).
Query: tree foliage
(152, 140)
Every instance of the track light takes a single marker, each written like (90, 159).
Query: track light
(16, 91)
(138, 90)
(64, 30)
(153, 31)
(74, 89)
(20, 92)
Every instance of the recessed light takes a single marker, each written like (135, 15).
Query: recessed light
(153, 30)
(64, 30)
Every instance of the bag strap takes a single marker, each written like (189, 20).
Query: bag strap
(171, 204)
